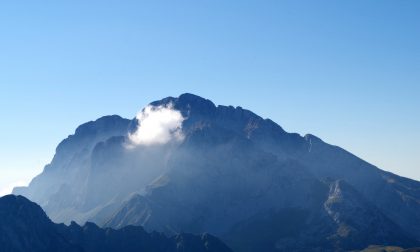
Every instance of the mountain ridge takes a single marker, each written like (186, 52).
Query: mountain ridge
(25, 227)
(229, 170)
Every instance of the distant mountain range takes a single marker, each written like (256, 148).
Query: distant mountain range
(25, 227)
(186, 165)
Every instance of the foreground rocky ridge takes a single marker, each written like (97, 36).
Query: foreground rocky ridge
(25, 227)
(235, 175)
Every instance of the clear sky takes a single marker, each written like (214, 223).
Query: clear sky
(346, 71)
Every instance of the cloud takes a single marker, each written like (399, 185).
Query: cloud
(158, 125)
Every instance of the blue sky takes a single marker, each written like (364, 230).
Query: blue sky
(346, 71)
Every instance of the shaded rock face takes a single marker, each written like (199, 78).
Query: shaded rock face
(25, 227)
(61, 188)
(133, 238)
(235, 175)
(357, 221)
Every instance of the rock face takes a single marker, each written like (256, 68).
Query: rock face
(62, 186)
(235, 175)
(25, 227)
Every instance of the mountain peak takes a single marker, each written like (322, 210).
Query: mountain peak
(257, 168)
(192, 98)
(183, 98)
(188, 104)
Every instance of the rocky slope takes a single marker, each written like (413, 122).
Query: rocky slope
(25, 227)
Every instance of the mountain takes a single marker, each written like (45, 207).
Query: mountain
(25, 227)
(229, 172)
(66, 174)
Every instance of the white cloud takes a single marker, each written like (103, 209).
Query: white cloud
(157, 125)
